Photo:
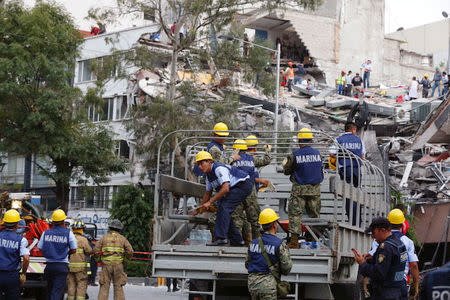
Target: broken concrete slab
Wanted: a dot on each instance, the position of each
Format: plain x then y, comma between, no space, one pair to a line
341,102
313,101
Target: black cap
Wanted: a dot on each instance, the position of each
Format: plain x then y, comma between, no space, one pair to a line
378,222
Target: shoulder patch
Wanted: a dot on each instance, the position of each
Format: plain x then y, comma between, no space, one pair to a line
381,257
382,246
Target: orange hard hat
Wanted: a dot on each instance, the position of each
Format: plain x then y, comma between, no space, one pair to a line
290,63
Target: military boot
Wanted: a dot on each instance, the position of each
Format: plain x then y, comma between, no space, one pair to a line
293,244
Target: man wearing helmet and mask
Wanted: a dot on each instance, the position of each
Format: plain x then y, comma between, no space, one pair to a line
13,246
111,250
57,243
305,168
79,265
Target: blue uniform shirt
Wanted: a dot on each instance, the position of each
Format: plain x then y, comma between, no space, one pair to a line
56,243
257,262
436,284
247,164
307,166
221,173
353,144
12,247
214,143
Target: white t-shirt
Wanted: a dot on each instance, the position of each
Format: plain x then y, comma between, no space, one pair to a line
412,257
413,87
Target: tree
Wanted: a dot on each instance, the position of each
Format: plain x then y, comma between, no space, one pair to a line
40,112
134,207
201,19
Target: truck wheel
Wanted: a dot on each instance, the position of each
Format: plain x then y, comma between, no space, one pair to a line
347,291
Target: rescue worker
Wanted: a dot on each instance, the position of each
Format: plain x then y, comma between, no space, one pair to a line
386,268
232,186
426,86
12,247
249,207
262,283
79,265
216,146
354,144
252,143
305,168
111,251
349,167
57,243
290,76
396,218
340,82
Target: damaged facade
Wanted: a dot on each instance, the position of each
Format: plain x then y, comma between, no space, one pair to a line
339,35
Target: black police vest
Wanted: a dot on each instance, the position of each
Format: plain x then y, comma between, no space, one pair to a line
395,276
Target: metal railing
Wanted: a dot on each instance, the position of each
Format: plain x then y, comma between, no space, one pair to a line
357,197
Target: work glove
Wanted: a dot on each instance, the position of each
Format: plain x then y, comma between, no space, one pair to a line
22,279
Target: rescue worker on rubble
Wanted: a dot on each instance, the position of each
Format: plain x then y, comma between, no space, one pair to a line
12,248
79,265
262,281
111,251
249,207
387,266
57,243
232,186
396,218
305,168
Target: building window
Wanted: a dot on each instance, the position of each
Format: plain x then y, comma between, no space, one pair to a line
84,71
122,149
149,15
121,107
108,109
90,197
93,114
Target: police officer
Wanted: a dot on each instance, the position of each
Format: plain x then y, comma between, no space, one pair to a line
262,283
304,166
396,218
436,284
386,268
111,250
12,247
56,244
349,168
232,186
79,265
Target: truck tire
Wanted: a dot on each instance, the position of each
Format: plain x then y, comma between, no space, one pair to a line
347,291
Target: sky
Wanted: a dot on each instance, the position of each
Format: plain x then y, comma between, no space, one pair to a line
412,13
399,13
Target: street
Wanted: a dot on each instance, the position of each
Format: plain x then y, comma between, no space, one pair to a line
133,292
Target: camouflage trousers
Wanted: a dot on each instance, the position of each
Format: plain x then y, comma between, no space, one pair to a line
262,286
248,213
303,196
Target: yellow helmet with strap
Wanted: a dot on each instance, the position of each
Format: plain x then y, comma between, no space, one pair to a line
267,216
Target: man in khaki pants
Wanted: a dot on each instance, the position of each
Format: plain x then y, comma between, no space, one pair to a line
111,250
78,265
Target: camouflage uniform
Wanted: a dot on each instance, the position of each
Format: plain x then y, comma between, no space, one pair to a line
78,269
246,214
264,286
302,196
218,155
111,249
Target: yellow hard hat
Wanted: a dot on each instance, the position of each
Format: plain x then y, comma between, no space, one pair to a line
240,144
11,216
251,141
396,216
221,129
267,216
58,215
99,22
305,133
202,155
426,75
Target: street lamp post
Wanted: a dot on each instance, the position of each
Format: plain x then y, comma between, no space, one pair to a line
277,89
445,14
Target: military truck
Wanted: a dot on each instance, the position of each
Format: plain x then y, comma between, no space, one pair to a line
322,269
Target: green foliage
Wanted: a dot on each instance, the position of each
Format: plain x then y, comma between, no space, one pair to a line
187,90
134,207
138,268
40,112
